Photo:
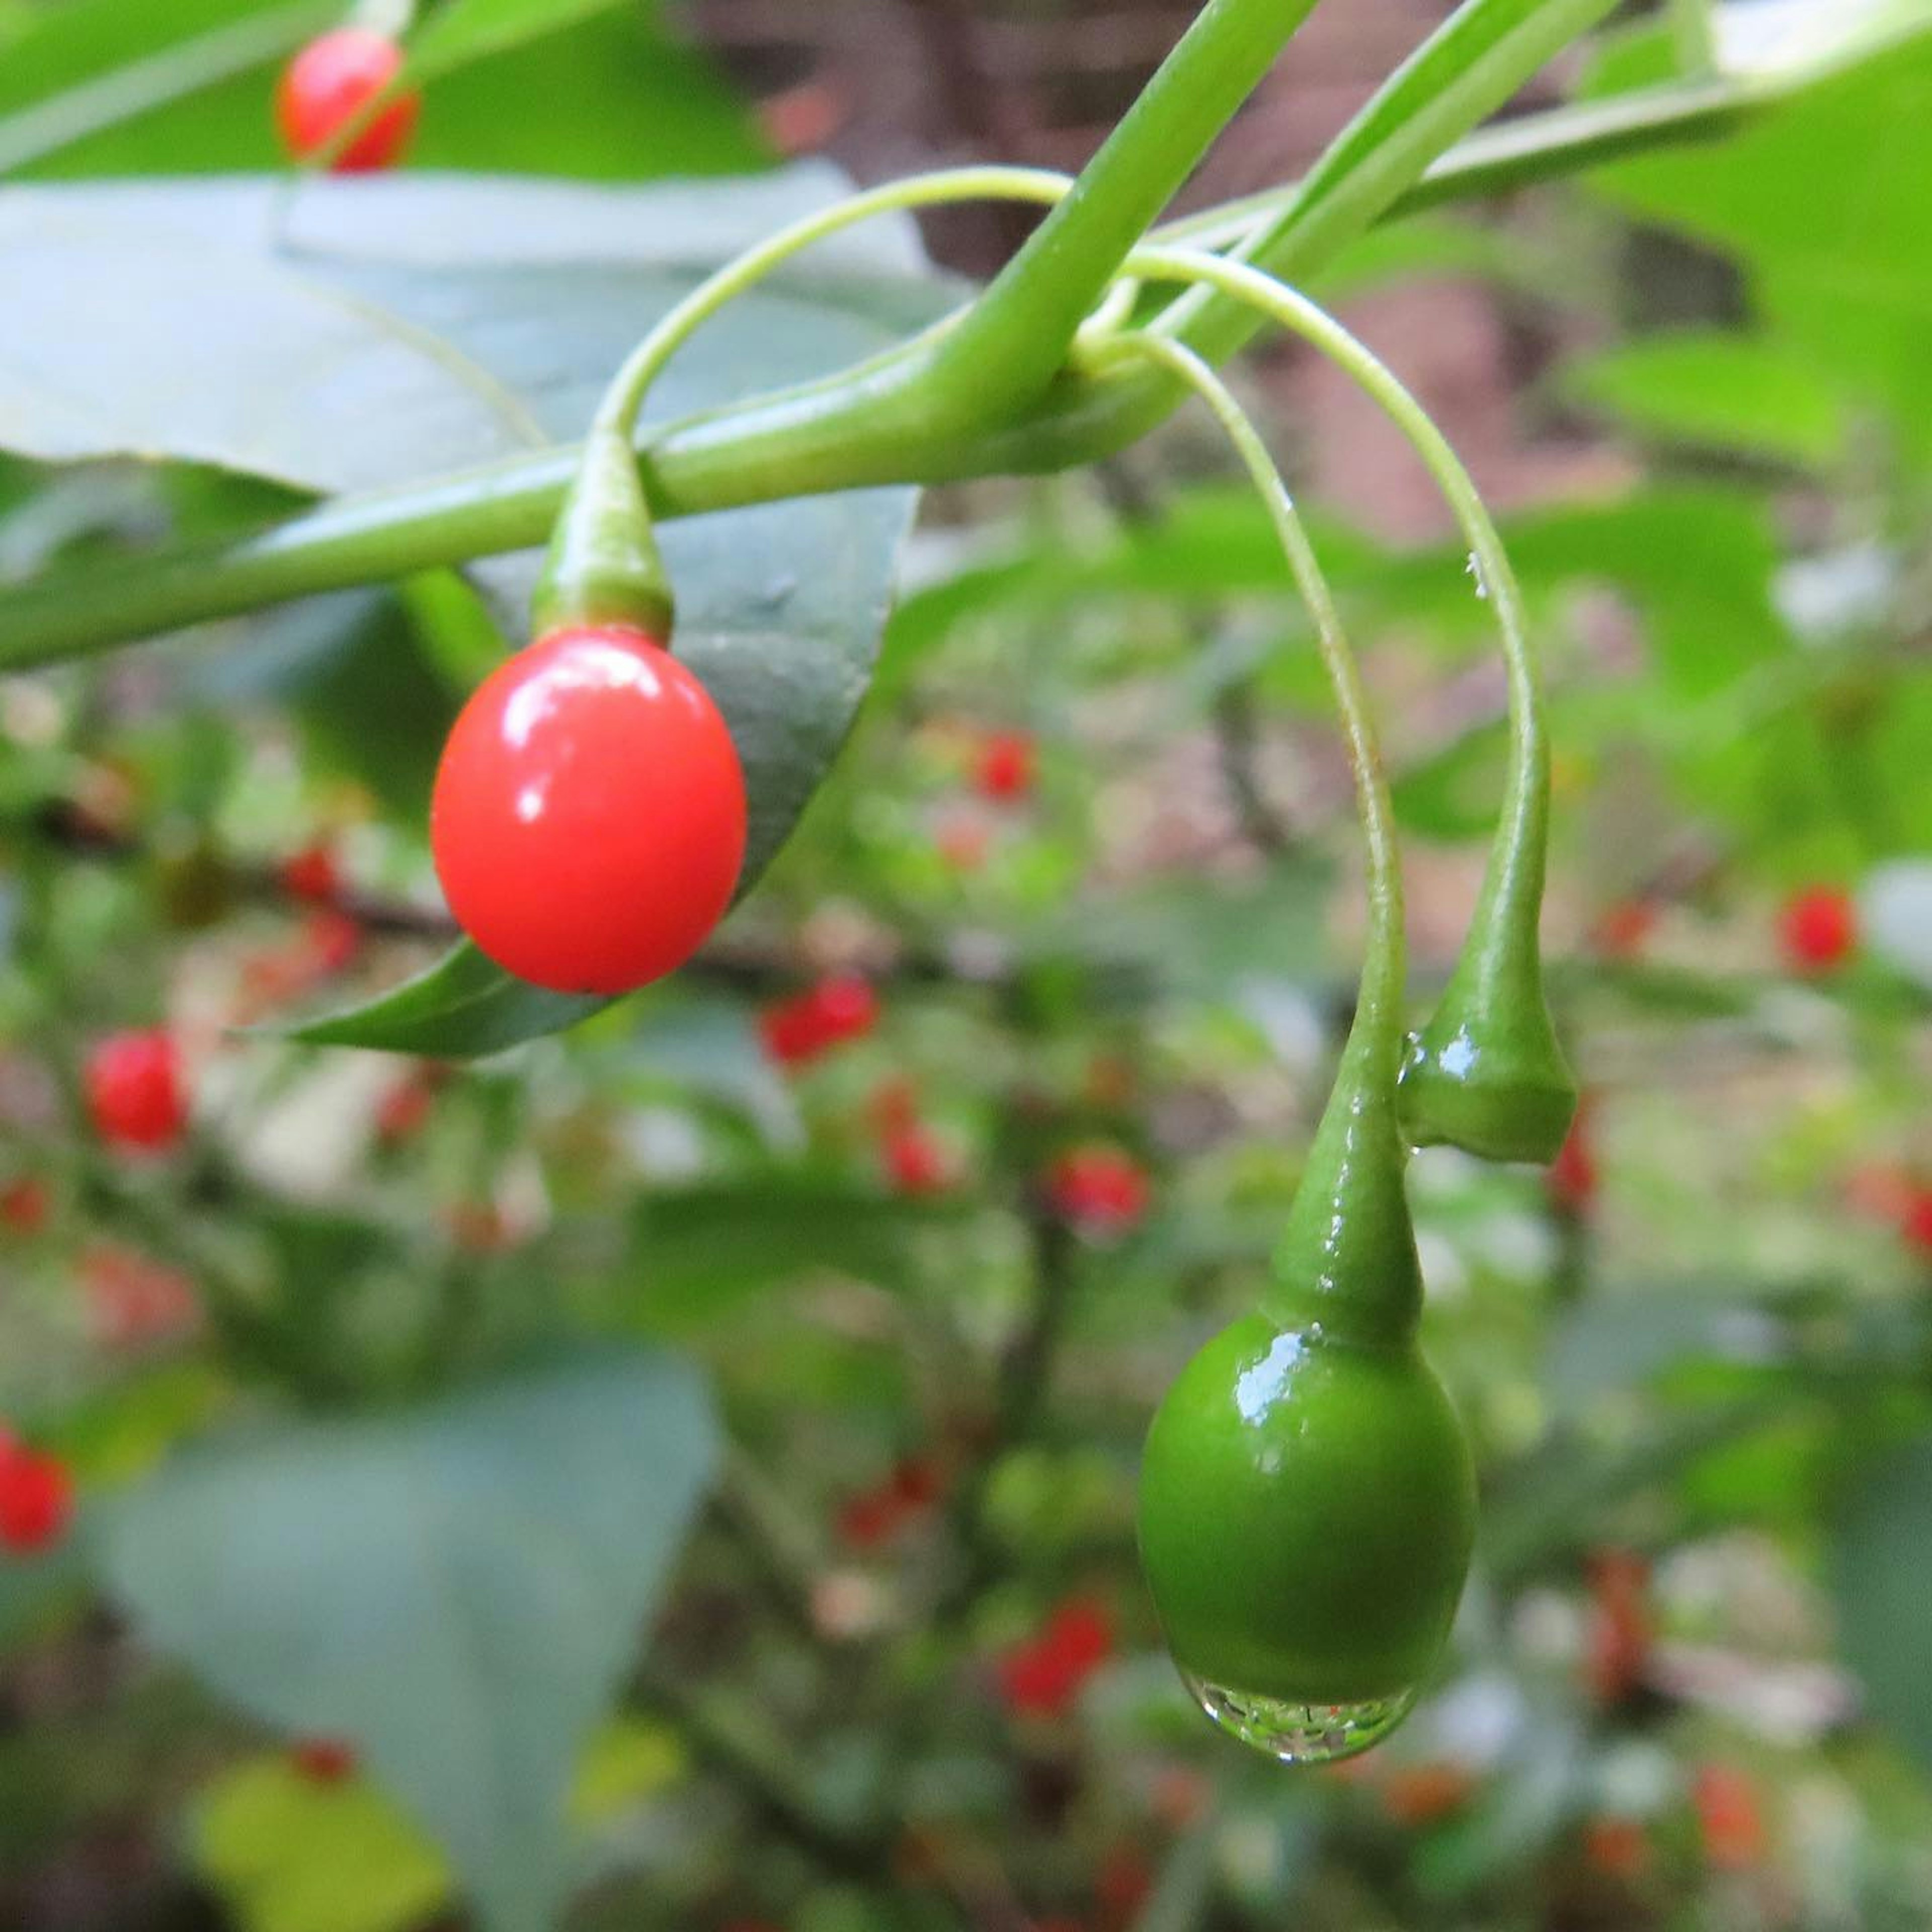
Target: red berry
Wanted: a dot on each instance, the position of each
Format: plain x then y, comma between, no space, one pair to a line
841,1007
915,1163
874,1517
1728,1817
1004,768
132,1301
135,1093
588,823
1421,1794
1619,1650
24,1205
1570,1180
1123,1885
331,941
312,874
1617,1847
328,83
917,1482
1042,1676
36,1500
323,1760
1099,1189
1915,1224
1818,928
1621,929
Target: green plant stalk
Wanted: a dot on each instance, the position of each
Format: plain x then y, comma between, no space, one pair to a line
803,441
1376,1041
604,565
1694,30
1011,344
1516,859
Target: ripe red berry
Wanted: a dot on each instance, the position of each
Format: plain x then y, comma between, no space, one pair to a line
841,1007
1621,929
328,83
1618,1653
1915,1224
915,1163
589,819
1099,1188
1042,1676
24,1205
36,1499
135,1093
1004,769
1570,1179
323,1760
1818,928
1728,1817
311,875
133,1302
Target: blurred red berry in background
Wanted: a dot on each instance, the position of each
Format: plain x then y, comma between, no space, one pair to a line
1417,1794
1618,1650
36,1498
1728,1817
1818,928
324,1760
1100,1190
841,1007
1044,1675
25,1204
1003,769
1570,1179
1621,929
311,875
915,1163
135,1093
1618,1848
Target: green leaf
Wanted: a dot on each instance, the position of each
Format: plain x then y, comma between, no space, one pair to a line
1465,70
456,1591
1715,391
288,1854
1881,1574
101,87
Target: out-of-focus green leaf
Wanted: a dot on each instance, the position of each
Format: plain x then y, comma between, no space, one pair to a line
1882,1579
290,1854
1718,392
456,1591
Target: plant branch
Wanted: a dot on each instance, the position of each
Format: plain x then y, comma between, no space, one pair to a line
820,437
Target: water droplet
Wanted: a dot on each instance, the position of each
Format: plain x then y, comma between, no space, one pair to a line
1476,571
1300,1733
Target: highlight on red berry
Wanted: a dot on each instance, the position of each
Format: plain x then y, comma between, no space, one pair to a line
327,87
137,1094
36,1498
588,823
1818,929
1101,1190
1004,767
841,1007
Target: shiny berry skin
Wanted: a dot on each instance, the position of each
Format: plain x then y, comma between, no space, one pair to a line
328,83
1099,1189
1818,929
588,818
1004,769
1307,1507
36,1500
135,1096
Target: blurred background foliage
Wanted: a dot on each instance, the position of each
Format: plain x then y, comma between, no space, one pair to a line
391,1393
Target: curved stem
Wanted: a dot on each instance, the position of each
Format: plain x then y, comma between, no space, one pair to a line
604,565
1516,859
1379,1015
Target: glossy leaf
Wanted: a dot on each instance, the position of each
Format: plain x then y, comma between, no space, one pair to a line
455,1592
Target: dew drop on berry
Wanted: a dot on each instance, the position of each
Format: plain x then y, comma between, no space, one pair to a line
1300,1733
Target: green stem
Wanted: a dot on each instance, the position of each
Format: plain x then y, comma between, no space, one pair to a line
604,565
1694,31
1010,345
1517,859
1376,1041
833,435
